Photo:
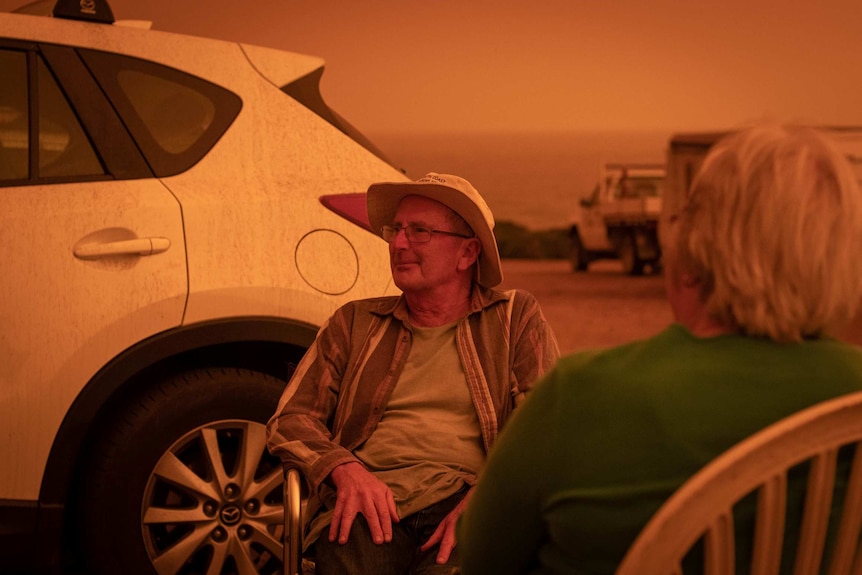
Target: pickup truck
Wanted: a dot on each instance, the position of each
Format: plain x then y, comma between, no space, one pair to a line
620,219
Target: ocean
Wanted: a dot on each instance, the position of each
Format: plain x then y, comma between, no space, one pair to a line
530,178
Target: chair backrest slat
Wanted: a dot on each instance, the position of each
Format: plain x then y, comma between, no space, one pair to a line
769,527
719,549
818,504
847,542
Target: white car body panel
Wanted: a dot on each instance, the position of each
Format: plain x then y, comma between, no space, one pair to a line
53,335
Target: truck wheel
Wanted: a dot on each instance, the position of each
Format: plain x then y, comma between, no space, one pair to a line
181,481
580,257
632,264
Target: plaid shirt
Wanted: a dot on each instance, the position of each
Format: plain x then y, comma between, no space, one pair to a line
340,389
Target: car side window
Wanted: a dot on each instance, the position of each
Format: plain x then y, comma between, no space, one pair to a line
174,117
63,149
14,129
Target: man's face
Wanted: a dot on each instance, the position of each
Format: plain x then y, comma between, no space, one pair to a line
418,267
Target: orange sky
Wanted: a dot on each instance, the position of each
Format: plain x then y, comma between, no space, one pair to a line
483,65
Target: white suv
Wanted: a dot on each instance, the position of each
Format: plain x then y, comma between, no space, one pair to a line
178,216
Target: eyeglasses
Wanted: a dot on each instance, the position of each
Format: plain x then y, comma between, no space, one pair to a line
415,234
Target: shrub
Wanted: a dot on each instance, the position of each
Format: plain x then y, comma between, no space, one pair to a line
516,241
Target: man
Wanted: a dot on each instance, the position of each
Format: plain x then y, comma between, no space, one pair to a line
393,409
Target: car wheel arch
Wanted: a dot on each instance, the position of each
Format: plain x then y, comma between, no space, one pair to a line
181,348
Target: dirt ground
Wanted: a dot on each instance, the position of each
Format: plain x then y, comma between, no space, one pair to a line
602,307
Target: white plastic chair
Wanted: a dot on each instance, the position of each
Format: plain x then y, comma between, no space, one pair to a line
702,507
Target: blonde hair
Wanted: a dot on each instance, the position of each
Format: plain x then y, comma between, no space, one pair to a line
773,229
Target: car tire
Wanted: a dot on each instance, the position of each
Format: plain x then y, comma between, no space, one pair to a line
181,481
632,264
579,256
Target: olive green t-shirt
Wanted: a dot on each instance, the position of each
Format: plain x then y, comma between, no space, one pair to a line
428,443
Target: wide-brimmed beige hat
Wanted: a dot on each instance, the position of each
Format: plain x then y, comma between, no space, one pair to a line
453,192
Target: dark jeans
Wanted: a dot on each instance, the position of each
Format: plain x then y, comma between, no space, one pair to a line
360,555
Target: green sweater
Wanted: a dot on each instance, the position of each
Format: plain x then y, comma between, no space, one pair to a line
607,436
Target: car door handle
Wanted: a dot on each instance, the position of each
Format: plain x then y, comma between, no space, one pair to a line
135,247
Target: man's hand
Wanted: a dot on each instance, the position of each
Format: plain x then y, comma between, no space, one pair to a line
359,491
445,532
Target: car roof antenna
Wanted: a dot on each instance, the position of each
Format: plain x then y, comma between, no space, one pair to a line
89,10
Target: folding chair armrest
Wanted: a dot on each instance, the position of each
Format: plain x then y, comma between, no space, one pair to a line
292,558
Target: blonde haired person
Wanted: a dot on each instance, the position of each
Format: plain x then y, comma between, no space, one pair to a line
771,233
761,267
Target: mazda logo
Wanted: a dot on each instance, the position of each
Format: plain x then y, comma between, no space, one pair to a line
231,515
